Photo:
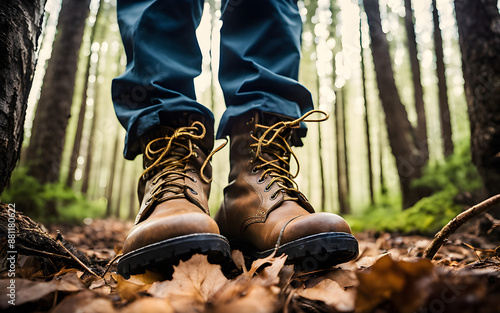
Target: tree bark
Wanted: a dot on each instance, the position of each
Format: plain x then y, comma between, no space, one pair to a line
479,40
367,122
54,107
409,159
111,178
90,149
121,183
83,108
20,28
418,90
133,204
444,109
342,183
320,142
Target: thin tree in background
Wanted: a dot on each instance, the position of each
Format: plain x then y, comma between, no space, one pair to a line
121,183
444,109
21,27
90,145
132,208
365,104
344,140
320,150
418,90
320,143
53,110
339,124
75,151
210,53
342,184
409,158
480,45
98,102
383,185
111,179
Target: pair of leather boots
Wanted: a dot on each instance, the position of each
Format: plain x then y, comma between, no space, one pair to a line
262,212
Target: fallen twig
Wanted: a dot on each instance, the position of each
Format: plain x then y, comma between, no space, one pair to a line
78,260
458,221
50,254
111,263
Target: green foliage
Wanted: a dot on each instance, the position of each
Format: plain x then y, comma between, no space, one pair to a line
448,178
34,199
457,171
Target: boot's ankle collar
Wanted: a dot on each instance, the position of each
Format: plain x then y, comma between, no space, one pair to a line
176,120
247,121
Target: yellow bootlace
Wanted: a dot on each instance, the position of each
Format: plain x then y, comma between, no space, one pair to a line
173,162
281,152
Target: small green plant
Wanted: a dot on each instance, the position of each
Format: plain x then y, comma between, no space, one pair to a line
34,199
447,178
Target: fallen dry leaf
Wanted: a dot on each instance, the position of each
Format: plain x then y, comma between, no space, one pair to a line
30,291
250,292
148,305
335,288
195,278
402,285
129,289
84,302
193,283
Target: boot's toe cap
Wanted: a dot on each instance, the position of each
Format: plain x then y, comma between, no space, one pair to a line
312,224
156,229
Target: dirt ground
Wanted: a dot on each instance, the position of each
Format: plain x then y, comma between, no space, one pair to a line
389,275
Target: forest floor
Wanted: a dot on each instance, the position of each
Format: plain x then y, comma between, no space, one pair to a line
389,275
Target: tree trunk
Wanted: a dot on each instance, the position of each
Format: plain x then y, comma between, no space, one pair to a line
83,108
121,183
342,188
479,40
381,156
20,28
409,159
418,91
320,143
210,52
367,122
134,203
54,107
444,109
344,144
90,149
111,179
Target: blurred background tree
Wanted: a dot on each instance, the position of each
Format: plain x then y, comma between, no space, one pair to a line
389,72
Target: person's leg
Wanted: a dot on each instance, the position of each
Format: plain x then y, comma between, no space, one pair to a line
163,58
260,55
155,101
263,210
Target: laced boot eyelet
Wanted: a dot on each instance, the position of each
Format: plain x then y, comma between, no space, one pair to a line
193,179
194,192
267,188
273,196
255,170
261,180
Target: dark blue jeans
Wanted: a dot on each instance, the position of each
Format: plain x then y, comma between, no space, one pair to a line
259,62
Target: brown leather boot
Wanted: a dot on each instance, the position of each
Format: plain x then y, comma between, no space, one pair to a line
263,209
173,221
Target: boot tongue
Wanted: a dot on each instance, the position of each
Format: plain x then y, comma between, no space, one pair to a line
269,150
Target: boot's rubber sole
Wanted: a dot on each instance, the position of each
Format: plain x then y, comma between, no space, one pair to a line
163,255
311,253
